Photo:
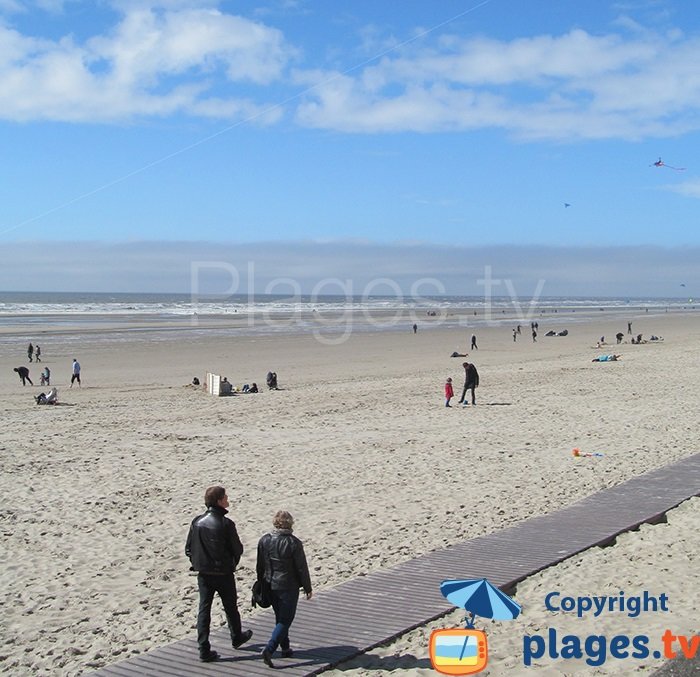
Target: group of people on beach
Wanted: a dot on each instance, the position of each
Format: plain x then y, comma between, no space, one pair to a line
24,377
214,550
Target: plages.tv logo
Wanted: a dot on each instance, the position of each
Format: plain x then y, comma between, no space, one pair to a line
464,651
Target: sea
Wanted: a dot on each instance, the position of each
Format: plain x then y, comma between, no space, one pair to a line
163,316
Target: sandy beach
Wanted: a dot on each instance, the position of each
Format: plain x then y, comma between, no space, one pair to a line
98,493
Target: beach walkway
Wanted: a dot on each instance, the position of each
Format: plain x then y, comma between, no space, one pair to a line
362,613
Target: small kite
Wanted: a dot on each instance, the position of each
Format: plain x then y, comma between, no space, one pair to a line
661,163
566,204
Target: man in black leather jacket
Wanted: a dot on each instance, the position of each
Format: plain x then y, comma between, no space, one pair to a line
282,563
214,550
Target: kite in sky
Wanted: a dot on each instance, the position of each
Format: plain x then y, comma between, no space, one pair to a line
661,163
566,204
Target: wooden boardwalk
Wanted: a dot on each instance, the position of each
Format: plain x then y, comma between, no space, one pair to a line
362,613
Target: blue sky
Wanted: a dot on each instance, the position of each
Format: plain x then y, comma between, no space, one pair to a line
458,127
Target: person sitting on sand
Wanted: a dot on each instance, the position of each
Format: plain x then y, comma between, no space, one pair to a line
49,398
606,358
226,388
271,380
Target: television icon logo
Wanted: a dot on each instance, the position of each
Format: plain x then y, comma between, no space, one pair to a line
458,651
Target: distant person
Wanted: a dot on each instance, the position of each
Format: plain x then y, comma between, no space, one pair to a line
271,380
515,335
415,328
471,382
619,336
449,392
226,388
534,335
282,563
602,340
606,358
474,346
46,377
639,338
195,381
214,549
30,352
75,373
518,329
629,328
37,354
23,373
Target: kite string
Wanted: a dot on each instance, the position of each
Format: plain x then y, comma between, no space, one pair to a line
244,121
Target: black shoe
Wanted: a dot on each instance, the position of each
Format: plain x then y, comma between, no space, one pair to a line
209,657
267,658
287,653
242,639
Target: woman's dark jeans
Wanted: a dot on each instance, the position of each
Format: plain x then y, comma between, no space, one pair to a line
284,602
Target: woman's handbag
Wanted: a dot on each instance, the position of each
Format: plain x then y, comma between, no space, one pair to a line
261,594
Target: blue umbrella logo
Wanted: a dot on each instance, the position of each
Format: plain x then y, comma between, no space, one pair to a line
479,598
464,651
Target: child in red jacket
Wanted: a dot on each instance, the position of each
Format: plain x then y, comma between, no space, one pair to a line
449,392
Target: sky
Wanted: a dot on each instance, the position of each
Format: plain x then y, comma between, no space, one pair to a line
351,140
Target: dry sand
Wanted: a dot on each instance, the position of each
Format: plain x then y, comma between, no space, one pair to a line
97,493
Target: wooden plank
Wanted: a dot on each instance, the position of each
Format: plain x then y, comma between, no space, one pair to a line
370,610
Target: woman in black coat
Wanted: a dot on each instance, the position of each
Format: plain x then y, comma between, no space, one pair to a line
282,565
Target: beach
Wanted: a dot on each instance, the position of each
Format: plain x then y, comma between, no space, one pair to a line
357,444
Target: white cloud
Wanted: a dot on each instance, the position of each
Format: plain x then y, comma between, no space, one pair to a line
152,63
165,57
688,188
573,86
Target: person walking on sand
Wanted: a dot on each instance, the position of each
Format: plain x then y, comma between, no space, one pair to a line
515,335
76,373
37,354
471,382
282,564
629,328
449,392
534,335
23,373
214,550
415,328
474,346
30,352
